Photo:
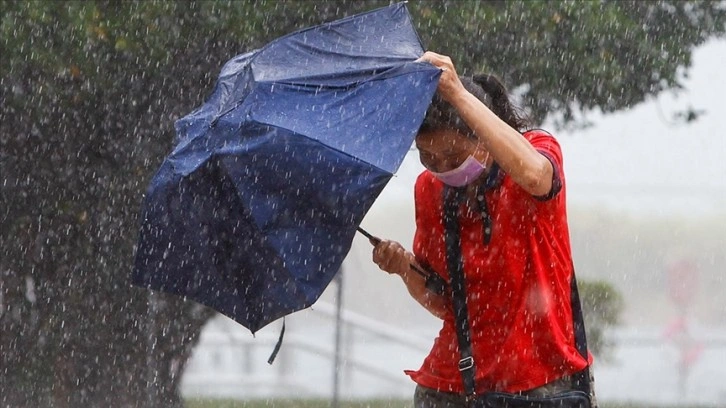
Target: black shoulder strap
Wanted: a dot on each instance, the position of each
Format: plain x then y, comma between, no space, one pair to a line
455,264
452,200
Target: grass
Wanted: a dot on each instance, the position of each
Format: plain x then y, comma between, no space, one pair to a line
290,403
320,403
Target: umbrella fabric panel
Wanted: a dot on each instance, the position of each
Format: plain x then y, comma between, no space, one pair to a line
340,53
212,251
264,234
225,133
359,121
256,207
233,85
307,200
355,45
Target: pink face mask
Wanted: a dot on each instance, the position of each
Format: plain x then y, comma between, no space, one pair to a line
467,172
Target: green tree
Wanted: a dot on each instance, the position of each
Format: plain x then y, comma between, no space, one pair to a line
601,308
89,91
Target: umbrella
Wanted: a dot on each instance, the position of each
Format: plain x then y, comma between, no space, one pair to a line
254,210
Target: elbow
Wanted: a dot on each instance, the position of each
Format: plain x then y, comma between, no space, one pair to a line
439,310
434,304
538,179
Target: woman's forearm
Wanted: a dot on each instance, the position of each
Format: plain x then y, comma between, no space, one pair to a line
438,305
527,167
391,257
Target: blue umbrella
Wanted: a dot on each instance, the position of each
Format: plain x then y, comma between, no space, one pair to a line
256,207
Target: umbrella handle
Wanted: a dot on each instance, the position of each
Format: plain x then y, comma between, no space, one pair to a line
375,240
434,281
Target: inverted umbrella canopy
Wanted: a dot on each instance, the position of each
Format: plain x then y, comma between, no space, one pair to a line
256,207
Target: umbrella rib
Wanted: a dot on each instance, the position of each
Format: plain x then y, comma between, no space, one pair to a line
377,77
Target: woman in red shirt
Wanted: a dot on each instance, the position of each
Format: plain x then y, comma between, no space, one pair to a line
514,242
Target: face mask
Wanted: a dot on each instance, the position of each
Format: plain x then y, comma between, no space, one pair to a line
467,172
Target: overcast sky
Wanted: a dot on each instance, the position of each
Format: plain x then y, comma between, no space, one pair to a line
640,160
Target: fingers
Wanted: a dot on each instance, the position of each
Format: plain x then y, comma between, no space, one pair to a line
442,62
390,256
449,83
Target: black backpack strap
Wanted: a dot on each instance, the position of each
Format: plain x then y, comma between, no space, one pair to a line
455,264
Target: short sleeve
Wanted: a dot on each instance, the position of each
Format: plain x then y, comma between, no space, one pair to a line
548,147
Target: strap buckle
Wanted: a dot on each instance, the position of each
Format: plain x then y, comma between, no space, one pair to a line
466,363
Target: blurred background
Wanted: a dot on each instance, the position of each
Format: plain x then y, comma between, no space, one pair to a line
90,90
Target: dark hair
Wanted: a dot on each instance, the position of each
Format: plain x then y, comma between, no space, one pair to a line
488,89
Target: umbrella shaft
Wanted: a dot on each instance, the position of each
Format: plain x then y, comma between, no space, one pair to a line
374,240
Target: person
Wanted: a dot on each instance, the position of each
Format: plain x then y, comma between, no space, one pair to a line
514,242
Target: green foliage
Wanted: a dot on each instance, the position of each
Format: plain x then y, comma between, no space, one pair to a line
602,305
570,56
89,93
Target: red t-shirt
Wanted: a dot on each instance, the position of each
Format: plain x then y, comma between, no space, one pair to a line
518,285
